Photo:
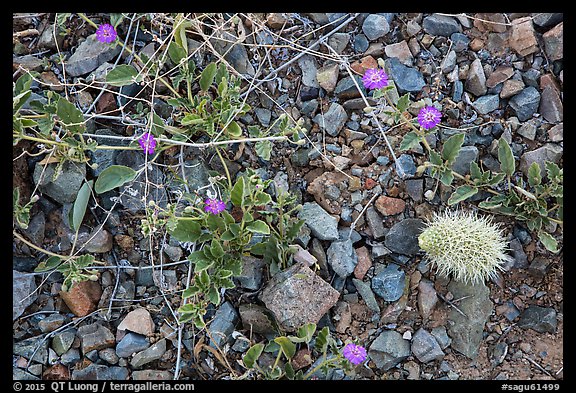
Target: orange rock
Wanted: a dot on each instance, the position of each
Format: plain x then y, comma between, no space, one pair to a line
364,262
389,206
82,298
138,321
369,184
365,63
57,372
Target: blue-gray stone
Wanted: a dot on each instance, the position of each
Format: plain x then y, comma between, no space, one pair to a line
465,157
66,186
382,160
90,54
405,166
264,115
402,238
389,284
342,257
307,65
440,334
406,79
375,26
131,343
367,294
343,234
346,88
440,25
388,349
251,277
23,292
100,372
540,319
223,324
425,346
361,43
457,91
32,346
525,103
333,120
322,224
375,223
486,104
459,41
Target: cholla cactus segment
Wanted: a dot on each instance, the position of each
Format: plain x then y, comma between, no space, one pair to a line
464,245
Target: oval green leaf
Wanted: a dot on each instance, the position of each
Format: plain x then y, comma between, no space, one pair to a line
80,204
462,193
258,226
410,141
252,355
70,116
112,177
123,75
207,76
186,231
234,129
549,242
237,193
506,157
452,147
288,347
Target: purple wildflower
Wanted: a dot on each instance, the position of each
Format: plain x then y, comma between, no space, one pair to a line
356,354
429,117
106,33
214,206
375,78
148,143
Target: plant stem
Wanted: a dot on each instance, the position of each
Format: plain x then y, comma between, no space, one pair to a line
225,167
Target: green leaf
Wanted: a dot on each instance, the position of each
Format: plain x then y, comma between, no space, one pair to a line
187,308
289,370
307,331
176,52
258,226
549,242
71,117
534,224
19,100
216,249
506,158
234,129
123,75
186,231
294,229
48,264
112,177
435,158
190,291
534,176
496,179
203,264
258,249
226,283
475,172
252,355
263,149
228,235
322,339
403,103
215,222
80,204
446,177
552,170
288,347
22,84
214,295
410,141
204,278
451,148
221,73
262,198
207,76
237,193
462,193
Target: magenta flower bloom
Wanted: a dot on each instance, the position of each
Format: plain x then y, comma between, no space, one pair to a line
106,33
375,78
147,143
429,117
356,354
214,206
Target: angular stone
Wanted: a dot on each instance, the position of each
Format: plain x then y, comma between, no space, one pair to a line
388,349
95,337
138,321
276,20
405,166
389,284
350,87
436,24
297,296
486,104
333,120
66,186
23,292
546,19
51,322
388,206
511,87
483,21
364,262
525,103
223,324
99,372
375,223
342,257
256,318
466,331
427,298
252,269
549,152
323,225
90,54
403,236
415,188
439,332
476,80
327,77
406,79
97,241
62,341
449,62
500,74
551,107
82,298
401,51
528,130
151,375
308,66
364,290
425,346
554,42
131,343
522,37
32,346
365,63
338,41
465,157
375,26
540,319
150,354
234,53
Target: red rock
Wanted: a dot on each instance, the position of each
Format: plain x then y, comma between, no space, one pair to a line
82,298
389,206
511,87
138,321
365,63
317,187
549,80
301,359
554,42
522,38
401,51
482,22
499,75
369,184
106,103
364,262
551,107
276,20
57,372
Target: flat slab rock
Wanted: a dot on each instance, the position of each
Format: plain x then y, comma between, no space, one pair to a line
298,296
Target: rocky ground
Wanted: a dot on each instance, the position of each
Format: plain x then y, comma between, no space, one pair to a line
495,75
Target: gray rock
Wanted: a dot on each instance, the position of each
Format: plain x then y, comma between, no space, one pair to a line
517,251
342,257
90,54
23,292
257,319
333,120
457,91
223,324
405,166
346,88
547,19
233,53
540,319
95,337
440,334
70,357
375,223
27,347
131,343
440,25
415,188
361,43
476,80
459,41
345,233
297,296
466,331
196,174
367,294
36,227
403,236
449,62
551,106
98,241
308,66
300,157
538,268
390,283
322,224
406,79
465,157
427,298
375,26
108,355
24,264
104,157
66,186
388,349
528,130
338,41
486,104
425,347
62,341
251,276
303,237
174,253
21,375
525,103
264,115
549,152
101,373
46,40
51,322
154,352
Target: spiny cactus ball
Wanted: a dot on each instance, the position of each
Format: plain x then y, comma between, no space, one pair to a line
468,247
